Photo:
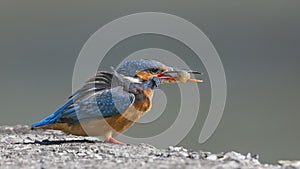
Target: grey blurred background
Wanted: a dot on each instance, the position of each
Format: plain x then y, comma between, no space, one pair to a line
258,43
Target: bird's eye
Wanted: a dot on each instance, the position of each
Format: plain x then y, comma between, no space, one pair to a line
154,70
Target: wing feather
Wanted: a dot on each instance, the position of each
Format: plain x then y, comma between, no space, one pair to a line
97,99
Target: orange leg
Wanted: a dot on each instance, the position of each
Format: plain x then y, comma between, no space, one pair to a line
112,140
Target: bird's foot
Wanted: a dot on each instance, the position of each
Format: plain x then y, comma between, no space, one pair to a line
112,140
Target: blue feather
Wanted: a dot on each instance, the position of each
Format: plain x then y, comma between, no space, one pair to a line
107,103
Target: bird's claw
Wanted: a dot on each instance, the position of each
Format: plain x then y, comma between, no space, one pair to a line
114,141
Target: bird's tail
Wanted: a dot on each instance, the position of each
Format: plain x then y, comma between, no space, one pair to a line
53,117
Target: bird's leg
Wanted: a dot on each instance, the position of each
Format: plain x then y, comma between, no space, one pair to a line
112,140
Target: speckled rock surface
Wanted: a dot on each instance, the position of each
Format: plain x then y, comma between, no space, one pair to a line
21,147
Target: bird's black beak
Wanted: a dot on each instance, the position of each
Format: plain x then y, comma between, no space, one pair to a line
179,75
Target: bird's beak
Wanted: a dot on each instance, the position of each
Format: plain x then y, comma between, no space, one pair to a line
177,75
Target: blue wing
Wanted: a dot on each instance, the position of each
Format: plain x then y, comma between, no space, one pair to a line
95,100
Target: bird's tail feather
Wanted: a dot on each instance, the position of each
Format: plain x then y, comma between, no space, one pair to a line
53,117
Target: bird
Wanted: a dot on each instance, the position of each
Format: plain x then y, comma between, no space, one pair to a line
112,101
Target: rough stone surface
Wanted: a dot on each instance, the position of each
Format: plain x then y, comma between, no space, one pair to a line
21,147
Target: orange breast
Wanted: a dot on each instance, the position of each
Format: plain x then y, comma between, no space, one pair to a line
132,114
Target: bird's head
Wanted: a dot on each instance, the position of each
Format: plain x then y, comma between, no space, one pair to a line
151,70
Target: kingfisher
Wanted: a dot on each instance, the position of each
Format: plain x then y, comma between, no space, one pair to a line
112,101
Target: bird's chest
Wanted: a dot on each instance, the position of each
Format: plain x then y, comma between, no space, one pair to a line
143,101
141,105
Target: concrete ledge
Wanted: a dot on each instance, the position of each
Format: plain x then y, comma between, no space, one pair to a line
21,147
